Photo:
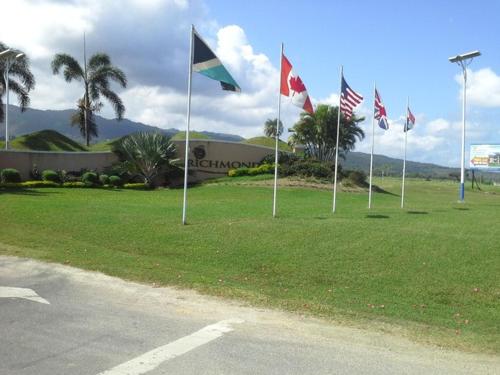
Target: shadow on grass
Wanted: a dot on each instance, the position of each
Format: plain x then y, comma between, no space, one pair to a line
320,217
20,191
377,217
377,189
461,208
417,212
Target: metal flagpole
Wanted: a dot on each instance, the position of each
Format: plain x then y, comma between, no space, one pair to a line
373,144
6,77
188,120
337,146
404,160
277,138
86,99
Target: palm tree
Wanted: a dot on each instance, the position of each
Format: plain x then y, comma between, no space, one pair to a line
145,154
270,128
318,132
96,77
21,81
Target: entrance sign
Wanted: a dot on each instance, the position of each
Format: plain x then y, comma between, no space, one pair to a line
485,157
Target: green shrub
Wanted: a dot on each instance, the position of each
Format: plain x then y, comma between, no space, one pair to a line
357,178
104,179
74,184
38,184
50,175
136,186
308,168
90,179
9,175
261,169
10,185
115,181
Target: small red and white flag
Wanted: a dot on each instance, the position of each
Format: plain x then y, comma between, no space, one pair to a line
293,87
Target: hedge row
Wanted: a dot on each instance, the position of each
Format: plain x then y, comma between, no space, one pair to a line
72,184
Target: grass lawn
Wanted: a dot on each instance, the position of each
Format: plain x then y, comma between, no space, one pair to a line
430,270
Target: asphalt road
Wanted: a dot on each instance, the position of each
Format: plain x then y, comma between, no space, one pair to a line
68,321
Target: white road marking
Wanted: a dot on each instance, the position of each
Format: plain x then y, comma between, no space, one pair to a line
152,359
25,293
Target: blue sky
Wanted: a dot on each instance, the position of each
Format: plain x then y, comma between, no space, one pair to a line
403,45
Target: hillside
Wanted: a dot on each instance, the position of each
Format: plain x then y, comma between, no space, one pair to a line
268,142
394,167
45,140
33,120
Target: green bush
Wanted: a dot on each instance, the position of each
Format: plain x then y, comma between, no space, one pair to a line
50,175
90,179
115,181
136,186
104,179
308,168
74,184
38,184
357,178
9,175
261,169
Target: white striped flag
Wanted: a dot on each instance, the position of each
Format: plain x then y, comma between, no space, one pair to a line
380,112
349,99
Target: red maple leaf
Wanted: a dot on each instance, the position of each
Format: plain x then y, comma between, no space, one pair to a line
297,85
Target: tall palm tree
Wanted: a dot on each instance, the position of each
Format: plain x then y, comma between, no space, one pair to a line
270,128
21,81
96,77
318,132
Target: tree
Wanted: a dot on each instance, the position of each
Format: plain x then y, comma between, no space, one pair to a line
144,154
270,128
318,133
96,77
21,81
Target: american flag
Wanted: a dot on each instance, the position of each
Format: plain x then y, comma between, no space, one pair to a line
410,120
380,113
349,99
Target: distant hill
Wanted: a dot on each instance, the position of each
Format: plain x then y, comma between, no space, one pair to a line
268,142
394,167
33,120
45,140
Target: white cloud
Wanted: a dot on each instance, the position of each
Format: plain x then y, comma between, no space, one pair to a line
483,87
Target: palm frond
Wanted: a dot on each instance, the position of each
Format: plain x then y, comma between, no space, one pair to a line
97,60
72,69
115,101
21,92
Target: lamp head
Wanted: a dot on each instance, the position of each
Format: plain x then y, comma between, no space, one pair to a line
464,56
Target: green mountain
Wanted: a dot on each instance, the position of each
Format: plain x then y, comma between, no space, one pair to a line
33,120
384,165
45,140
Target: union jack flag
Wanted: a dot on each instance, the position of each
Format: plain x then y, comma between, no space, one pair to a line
410,120
380,113
349,99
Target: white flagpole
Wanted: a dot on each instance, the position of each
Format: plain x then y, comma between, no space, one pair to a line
277,138
188,120
337,146
404,160
373,145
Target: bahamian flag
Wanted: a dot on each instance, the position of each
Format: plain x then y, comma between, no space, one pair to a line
207,63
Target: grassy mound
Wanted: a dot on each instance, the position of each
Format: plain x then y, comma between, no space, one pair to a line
45,140
268,142
192,135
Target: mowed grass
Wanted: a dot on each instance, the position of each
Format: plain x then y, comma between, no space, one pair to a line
430,271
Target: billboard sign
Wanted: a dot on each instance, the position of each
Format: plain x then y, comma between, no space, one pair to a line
485,157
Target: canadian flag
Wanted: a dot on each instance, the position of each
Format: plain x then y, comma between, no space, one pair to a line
293,87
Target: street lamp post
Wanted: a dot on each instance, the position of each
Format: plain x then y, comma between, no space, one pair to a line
463,60
10,56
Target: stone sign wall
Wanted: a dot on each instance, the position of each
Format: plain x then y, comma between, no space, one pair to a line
207,159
